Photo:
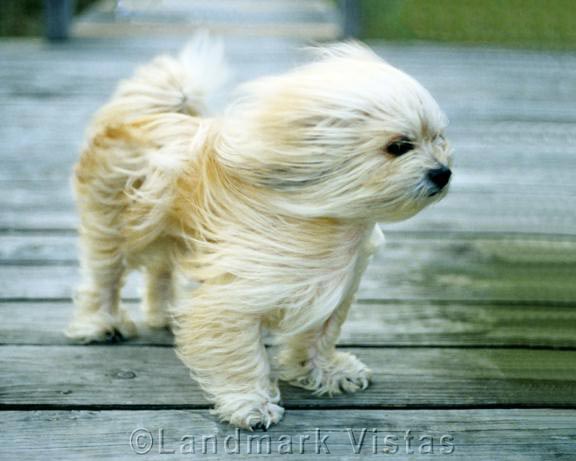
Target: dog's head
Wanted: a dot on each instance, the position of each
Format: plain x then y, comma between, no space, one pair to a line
348,136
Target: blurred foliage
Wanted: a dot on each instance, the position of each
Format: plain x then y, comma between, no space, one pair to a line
524,23
24,17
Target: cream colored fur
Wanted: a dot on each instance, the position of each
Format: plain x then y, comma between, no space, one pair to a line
260,219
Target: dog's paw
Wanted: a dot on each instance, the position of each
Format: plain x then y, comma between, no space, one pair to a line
343,372
251,414
98,327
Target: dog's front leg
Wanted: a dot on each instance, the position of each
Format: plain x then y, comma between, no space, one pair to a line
224,350
311,361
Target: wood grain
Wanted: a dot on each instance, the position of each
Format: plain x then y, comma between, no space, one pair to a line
403,377
466,316
530,435
505,209
414,324
504,269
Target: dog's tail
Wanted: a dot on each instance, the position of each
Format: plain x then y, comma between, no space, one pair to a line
167,84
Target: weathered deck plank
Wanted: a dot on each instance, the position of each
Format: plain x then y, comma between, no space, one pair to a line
475,435
403,377
530,435
414,324
463,308
38,248
496,209
313,20
492,212
512,270
503,79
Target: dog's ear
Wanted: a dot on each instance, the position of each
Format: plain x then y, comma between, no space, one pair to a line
288,151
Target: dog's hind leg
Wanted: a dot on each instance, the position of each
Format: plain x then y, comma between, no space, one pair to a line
158,297
98,316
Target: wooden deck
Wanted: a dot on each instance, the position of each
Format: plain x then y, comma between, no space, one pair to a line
467,316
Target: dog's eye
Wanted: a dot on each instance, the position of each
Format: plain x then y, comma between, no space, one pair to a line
400,147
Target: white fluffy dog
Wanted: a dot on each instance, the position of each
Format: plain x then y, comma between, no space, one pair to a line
270,209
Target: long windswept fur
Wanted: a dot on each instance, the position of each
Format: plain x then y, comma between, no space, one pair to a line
271,208
138,144
167,84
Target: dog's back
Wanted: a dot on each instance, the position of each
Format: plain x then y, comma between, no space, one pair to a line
138,143
168,85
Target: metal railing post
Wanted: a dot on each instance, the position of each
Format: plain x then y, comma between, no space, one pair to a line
350,10
57,17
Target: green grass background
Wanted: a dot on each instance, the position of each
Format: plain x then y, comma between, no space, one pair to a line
524,23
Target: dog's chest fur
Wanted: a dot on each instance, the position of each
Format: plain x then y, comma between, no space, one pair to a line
316,294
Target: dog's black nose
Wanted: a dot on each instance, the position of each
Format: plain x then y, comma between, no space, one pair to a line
440,176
